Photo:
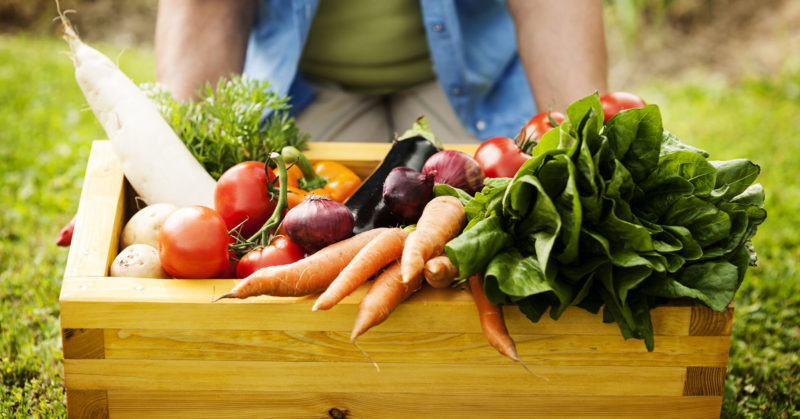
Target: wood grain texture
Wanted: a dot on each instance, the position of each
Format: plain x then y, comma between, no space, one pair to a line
83,343
120,303
87,404
302,405
704,381
100,215
410,347
707,322
361,377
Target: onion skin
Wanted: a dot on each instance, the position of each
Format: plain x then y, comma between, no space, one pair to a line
457,169
406,191
318,222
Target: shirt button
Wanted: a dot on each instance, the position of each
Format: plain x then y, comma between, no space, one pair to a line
438,27
480,125
456,91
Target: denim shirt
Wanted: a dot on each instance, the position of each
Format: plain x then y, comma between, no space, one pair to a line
472,45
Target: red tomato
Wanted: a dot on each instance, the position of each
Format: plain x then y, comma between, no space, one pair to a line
500,157
281,251
617,101
193,243
540,124
241,194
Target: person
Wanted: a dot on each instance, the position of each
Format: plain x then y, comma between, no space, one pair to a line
361,70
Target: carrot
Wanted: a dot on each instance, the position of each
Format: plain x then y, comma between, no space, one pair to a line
155,161
385,294
379,252
440,272
306,276
441,220
493,324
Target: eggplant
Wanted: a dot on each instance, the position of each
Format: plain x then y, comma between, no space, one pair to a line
366,203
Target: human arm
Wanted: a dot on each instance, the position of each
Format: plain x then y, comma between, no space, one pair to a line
200,41
562,48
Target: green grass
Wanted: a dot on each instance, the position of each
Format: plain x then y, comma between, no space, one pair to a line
45,133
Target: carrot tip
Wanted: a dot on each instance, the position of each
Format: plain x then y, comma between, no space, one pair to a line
226,295
516,359
315,307
353,341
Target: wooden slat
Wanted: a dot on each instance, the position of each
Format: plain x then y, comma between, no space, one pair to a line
100,213
302,405
121,303
704,381
707,322
83,343
420,347
361,377
87,404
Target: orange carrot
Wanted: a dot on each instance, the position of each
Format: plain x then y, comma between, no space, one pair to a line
441,220
306,276
492,322
385,294
381,251
440,272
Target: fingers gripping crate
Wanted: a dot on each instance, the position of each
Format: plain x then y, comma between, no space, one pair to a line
160,348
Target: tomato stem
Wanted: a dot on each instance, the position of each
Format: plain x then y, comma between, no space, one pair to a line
265,232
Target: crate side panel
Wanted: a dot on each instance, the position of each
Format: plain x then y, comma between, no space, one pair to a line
100,214
291,404
411,347
87,404
121,303
166,375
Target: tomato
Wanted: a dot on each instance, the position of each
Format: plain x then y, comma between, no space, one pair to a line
241,194
617,101
540,124
500,157
281,251
193,243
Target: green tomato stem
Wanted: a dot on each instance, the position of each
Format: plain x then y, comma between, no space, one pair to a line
265,232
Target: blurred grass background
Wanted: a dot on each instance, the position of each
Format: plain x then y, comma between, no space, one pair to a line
726,75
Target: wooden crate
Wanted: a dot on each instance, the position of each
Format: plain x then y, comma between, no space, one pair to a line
159,348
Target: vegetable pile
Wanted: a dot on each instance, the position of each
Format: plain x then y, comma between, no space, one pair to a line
599,207
620,215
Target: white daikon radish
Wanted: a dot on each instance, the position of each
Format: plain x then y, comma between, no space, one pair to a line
155,161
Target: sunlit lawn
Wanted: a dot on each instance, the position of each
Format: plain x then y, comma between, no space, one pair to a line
45,133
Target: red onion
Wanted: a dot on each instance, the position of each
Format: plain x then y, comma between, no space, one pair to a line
457,169
406,191
317,222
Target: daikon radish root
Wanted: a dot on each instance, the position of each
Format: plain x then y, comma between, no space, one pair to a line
155,161
441,220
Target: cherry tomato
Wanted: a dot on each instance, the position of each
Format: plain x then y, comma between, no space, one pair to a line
500,157
241,194
540,124
617,101
281,251
193,243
